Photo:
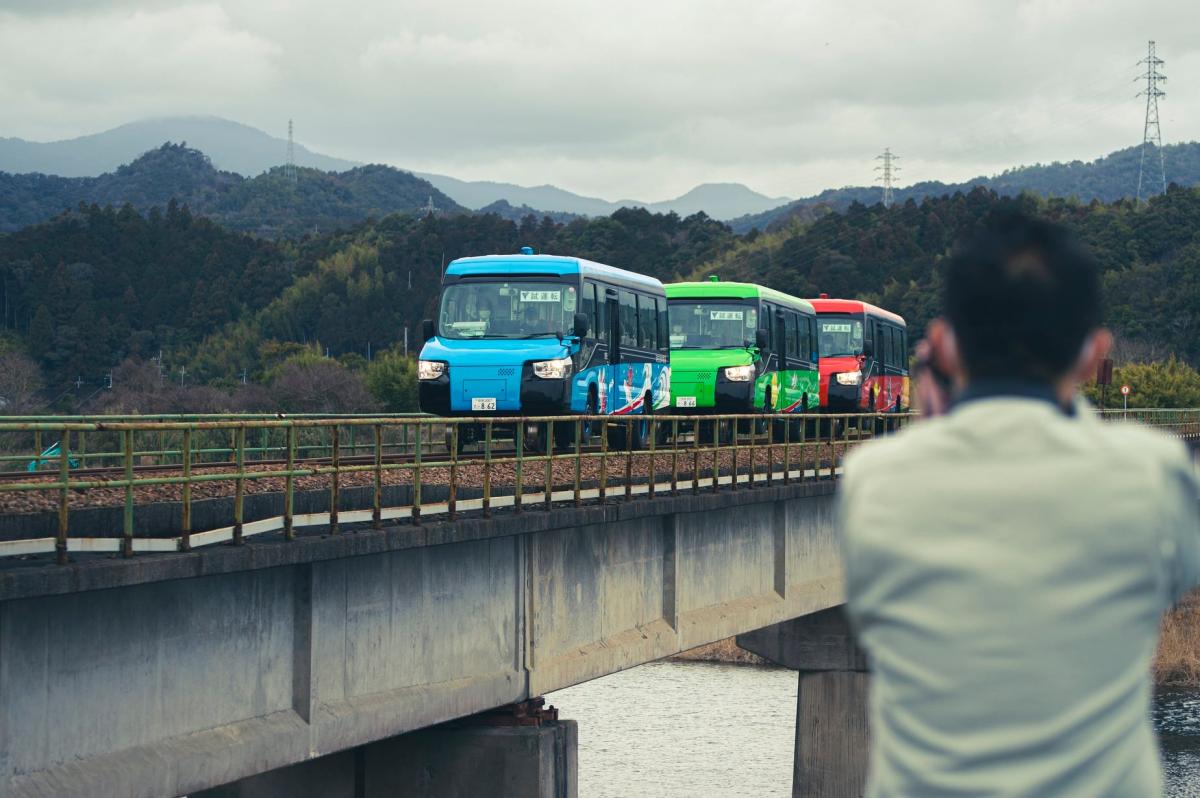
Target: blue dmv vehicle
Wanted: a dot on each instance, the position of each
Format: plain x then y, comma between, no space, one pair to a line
535,335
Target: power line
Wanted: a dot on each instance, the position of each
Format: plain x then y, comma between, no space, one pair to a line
889,169
1151,132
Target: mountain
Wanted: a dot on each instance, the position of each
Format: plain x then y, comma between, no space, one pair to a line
718,200
232,146
245,150
269,204
1106,179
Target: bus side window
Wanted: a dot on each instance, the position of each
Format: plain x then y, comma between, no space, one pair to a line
629,331
768,320
791,326
903,364
804,346
664,333
587,306
647,328
601,317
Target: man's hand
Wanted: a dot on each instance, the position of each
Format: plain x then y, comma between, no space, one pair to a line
932,386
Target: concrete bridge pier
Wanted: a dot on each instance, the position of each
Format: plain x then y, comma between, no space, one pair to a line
831,704
469,758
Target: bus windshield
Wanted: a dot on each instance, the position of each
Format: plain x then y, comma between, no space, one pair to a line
712,325
840,336
506,309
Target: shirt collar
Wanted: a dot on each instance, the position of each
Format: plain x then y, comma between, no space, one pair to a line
996,388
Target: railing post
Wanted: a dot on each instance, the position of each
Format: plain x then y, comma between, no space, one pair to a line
733,436
696,427
452,498
289,496
652,472
127,460
335,483
377,499
675,456
64,497
519,439
628,458
185,536
239,500
603,460
549,471
487,469
416,480
578,461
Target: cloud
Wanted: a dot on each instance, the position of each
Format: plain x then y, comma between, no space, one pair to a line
121,62
621,98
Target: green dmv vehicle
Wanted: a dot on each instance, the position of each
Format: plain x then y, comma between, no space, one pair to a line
741,348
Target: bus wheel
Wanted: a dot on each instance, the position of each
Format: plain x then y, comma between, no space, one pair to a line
534,440
641,427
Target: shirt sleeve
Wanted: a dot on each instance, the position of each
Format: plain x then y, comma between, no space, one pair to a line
1183,517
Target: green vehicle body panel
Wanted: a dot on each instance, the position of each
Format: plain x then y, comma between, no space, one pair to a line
694,371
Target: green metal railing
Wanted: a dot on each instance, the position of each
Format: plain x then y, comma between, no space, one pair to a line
518,463
575,458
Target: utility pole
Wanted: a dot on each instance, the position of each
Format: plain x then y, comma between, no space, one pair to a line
1151,132
889,170
406,340
243,376
182,375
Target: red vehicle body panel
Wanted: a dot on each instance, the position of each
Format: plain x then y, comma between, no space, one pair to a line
877,392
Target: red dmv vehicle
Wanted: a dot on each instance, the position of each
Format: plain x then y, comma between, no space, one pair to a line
864,357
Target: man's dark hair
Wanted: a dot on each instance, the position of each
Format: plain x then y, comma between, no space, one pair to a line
1021,296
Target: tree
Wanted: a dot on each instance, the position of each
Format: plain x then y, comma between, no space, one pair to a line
321,386
392,380
1169,383
20,385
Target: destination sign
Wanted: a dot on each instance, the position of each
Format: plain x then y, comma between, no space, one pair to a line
541,296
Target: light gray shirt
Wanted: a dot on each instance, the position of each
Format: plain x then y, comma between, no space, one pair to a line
1006,570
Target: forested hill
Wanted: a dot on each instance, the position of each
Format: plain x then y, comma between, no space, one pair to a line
1150,256
268,205
1107,179
93,287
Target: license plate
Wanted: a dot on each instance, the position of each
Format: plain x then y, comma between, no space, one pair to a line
685,401
483,404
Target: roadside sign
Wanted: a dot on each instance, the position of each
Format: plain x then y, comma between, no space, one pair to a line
1125,389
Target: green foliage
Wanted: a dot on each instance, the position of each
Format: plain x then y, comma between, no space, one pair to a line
1169,383
392,380
1149,256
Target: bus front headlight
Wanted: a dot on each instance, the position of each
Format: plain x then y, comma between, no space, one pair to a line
739,373
430,369
849,377
557,369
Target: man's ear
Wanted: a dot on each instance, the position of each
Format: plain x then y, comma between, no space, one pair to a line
944,347
1095,348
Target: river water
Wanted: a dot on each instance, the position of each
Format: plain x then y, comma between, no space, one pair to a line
692,729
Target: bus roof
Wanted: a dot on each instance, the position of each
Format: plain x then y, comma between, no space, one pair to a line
713,289
855,306
550,265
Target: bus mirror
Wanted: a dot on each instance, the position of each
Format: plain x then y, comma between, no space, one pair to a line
426,329
581,325
760,339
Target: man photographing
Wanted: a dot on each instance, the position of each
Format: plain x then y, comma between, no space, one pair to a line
1007,562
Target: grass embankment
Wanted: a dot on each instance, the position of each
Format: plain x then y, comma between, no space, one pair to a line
1176,664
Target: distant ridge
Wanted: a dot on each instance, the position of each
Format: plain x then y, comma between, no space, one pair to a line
1107,179
248,151
232,147
269,205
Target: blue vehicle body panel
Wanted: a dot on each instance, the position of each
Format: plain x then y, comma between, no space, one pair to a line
492,368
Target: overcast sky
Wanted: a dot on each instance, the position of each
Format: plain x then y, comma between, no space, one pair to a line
618,99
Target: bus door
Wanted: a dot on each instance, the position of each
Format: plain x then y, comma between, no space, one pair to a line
612,321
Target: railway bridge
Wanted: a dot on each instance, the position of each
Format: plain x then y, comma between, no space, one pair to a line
260,606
